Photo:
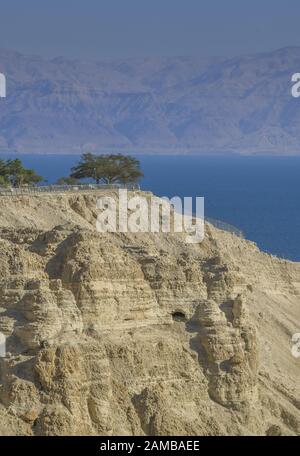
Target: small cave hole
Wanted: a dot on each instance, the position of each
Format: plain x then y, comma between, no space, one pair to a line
178,316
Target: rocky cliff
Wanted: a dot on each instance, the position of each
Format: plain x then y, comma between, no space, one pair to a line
141,333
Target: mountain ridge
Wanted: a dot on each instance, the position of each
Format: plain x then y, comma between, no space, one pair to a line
240,105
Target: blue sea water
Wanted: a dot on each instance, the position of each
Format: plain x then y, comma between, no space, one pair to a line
259,195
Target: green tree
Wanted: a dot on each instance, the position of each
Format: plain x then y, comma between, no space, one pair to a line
17,175
3,173
67,181
3,182
108,169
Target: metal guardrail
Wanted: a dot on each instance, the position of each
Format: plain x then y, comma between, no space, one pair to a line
11,191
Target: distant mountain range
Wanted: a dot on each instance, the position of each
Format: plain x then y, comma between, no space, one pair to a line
154,105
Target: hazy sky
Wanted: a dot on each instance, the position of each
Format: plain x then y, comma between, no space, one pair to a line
124,28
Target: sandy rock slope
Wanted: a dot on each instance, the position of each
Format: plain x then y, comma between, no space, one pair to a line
141,334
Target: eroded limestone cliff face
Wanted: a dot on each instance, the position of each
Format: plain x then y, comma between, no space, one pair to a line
141,333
